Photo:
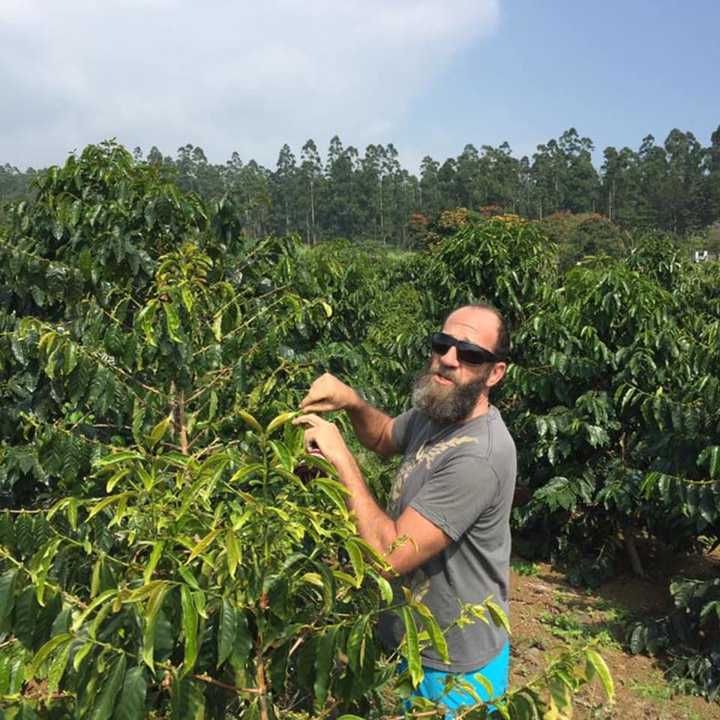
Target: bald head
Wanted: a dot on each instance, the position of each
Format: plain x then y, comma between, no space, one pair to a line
481,324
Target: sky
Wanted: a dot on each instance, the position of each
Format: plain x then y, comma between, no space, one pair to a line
429,76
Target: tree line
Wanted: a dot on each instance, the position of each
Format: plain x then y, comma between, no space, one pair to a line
673,186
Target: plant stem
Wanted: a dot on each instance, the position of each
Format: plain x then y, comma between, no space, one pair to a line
179,418
262,687
629,539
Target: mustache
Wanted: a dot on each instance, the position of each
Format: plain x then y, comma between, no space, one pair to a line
443,373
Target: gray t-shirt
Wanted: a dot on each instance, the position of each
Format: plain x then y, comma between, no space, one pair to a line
461,478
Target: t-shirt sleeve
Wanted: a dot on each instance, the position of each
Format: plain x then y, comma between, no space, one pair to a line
457,493
402,429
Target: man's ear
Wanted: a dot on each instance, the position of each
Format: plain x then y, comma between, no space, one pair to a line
496,374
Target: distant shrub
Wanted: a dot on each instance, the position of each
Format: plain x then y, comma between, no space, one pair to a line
580,235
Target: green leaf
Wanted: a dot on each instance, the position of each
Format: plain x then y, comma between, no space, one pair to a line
157,550
217,326
596,661
187,575
151,612
227,628
280,420
95,577
498,615
105,502
118,457
99,600
232,548
386,591
203,544
190,628
105,702
412,647
284,458
355,649
44,652
212,405
711,456
324,662
243,644
334,491
433,630
172,321
187,299
357,560
487,685
138,419
250,420
187,700
131,703
523,707
159,431
7,593
69,358
116,478
82,653
57,669
245,471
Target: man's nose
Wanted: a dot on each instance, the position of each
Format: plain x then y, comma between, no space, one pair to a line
450,358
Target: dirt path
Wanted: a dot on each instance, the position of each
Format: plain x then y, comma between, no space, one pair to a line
546,612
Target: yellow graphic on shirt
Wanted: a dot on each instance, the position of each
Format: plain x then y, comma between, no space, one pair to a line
424,456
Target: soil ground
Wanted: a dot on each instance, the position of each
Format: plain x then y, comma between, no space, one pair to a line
547,613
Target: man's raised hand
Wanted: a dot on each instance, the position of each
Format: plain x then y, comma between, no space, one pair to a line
328,393
323,437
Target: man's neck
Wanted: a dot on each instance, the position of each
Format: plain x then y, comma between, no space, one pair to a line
482,407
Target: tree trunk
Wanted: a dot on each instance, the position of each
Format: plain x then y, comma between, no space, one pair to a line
313,239
629,539
179,423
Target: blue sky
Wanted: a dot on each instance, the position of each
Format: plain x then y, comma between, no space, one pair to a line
616,71
427,75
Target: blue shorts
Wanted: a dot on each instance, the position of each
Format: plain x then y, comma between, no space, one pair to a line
449,688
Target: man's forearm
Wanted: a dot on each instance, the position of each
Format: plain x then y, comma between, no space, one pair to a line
374,526
370,425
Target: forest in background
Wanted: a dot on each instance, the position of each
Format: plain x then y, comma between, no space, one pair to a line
673,187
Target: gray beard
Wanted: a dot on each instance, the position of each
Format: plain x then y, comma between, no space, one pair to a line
446,405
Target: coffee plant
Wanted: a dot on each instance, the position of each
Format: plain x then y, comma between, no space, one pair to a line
167,548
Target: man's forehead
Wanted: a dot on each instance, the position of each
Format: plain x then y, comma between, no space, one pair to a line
474,321
472,325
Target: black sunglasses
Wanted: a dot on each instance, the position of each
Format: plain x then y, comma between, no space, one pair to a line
466,351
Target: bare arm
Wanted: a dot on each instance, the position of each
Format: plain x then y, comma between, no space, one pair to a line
407,542
372,426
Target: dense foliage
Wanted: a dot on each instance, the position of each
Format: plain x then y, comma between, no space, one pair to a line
672,186
166,546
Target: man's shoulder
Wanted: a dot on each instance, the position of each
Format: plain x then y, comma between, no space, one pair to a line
407,427
492,443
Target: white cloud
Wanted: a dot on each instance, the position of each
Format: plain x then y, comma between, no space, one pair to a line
223,74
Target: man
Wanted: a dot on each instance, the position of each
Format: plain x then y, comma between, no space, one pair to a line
452,496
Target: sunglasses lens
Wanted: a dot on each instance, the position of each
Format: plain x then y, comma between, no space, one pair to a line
472,357
440,344
466,352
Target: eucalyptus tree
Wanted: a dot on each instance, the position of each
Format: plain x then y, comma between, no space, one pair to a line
285,191
311,171
685,184
340,211
431,201
500,177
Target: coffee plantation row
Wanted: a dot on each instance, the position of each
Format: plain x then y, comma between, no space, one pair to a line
167,548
